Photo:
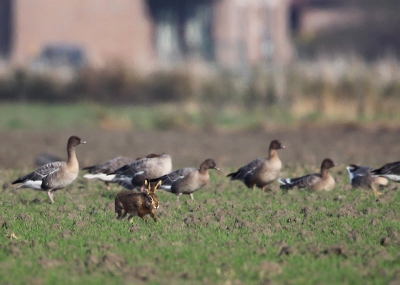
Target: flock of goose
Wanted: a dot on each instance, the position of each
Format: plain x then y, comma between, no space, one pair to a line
132,173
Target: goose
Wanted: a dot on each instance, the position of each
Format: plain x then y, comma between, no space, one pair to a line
186,180
316,182
103,171
390,171
133,175
261,171
54,175
361,177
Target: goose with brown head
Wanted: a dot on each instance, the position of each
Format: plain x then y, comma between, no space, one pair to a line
187,180
55,175
262,171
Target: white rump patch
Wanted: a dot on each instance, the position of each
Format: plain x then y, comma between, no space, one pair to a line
32,184
392,177
166,187
101,176
89,176
284,180
351,175
121,179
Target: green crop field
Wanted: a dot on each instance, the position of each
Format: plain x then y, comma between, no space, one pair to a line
175,116
342,107
228,235
162,117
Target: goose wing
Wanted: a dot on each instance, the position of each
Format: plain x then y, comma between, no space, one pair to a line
109,166
248,169
168,179
41,172
300,182
133,168
388,169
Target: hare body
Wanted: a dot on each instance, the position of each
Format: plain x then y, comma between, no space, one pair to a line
137,204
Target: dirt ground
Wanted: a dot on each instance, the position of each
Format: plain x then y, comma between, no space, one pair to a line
345,144
364,229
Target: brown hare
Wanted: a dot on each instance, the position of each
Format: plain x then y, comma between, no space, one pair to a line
137,203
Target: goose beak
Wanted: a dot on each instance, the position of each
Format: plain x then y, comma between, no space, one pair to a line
216,168
83,142
283,147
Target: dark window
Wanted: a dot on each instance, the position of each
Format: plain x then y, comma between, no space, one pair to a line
5,27
183,29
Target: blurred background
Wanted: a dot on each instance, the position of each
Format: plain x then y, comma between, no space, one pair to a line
197,65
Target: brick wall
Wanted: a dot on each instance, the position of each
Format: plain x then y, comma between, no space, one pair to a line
107,30
122,30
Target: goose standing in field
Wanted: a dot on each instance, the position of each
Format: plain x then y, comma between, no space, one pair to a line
315,182
261,171
55,175
390,171
133,175
186,180
361,177
104,170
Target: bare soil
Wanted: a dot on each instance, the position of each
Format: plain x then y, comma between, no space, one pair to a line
307,144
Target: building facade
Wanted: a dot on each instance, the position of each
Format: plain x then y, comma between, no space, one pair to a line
149,34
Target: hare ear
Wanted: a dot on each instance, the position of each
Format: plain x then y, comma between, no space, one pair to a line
157,185
147,186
